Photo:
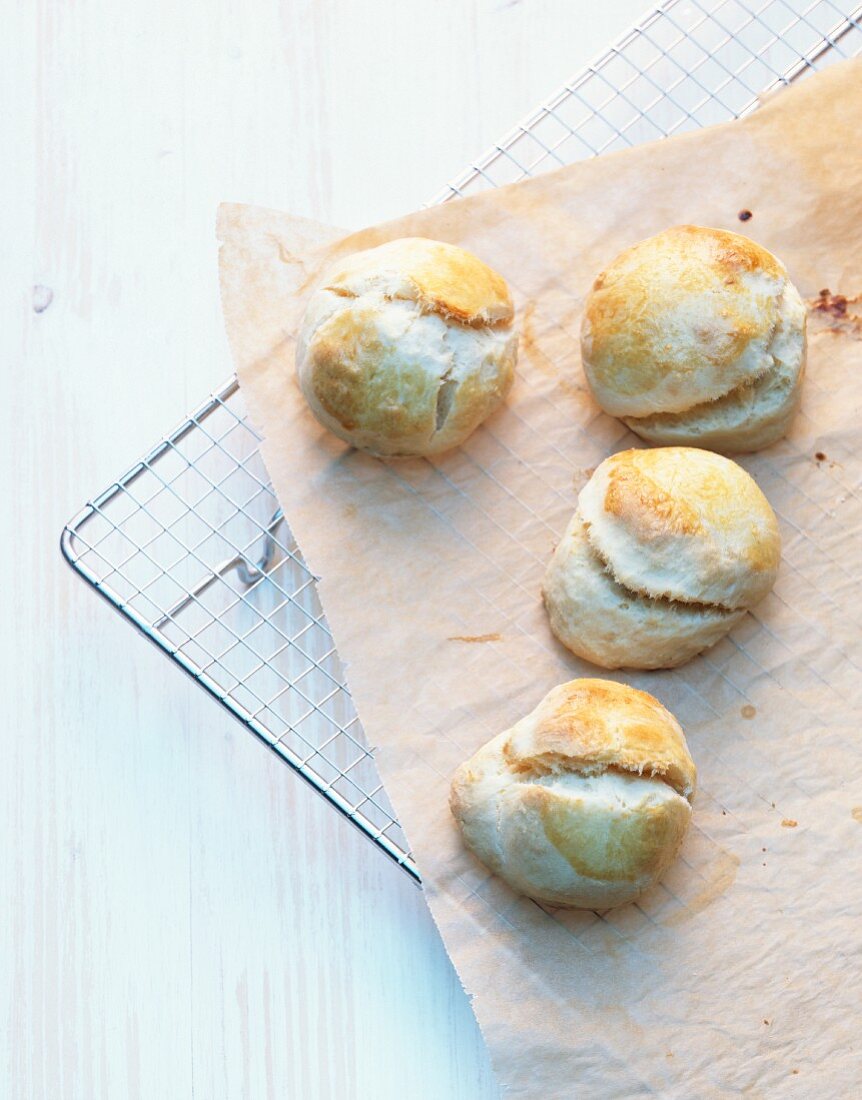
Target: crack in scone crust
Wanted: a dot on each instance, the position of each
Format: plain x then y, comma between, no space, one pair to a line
755,412
769,366
644,594
614,625
425,305
442,278
684,524
406,347
696,332
585,800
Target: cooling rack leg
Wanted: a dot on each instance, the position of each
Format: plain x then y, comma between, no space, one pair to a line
246,572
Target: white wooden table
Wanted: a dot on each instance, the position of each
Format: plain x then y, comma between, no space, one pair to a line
179,915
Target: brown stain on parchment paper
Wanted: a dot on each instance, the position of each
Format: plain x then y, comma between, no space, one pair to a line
821,457
283,254
830,312
527,338
471,638
856,814
530,348
580,479
721,876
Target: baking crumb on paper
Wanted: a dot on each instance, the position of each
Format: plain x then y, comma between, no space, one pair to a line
788,823
832,312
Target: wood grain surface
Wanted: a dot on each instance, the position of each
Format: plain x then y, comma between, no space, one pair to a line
180,915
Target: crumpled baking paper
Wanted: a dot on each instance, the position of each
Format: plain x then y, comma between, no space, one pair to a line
740,973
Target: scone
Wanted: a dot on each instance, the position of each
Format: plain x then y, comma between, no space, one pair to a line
406,348
667,550
585,802
696,336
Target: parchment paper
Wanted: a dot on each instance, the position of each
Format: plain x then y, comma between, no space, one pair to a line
739,974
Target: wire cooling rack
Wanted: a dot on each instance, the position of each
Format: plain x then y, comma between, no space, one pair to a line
189,544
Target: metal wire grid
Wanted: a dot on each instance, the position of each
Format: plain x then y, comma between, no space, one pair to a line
684,66
189,544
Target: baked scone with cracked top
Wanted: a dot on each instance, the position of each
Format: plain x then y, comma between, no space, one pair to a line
406,348
667,550
584,803
696,336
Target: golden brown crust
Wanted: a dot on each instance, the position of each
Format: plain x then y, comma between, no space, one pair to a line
592,725
616,849
353,390
406,348
585,801
755,414
637,496
614,627
684,524
682,318
442,277
639,502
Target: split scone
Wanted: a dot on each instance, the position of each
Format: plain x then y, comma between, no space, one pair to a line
696,336
667,550
585,802
406,348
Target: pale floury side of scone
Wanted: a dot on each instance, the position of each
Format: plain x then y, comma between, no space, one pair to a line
667,550
406,348
585,802
696,336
